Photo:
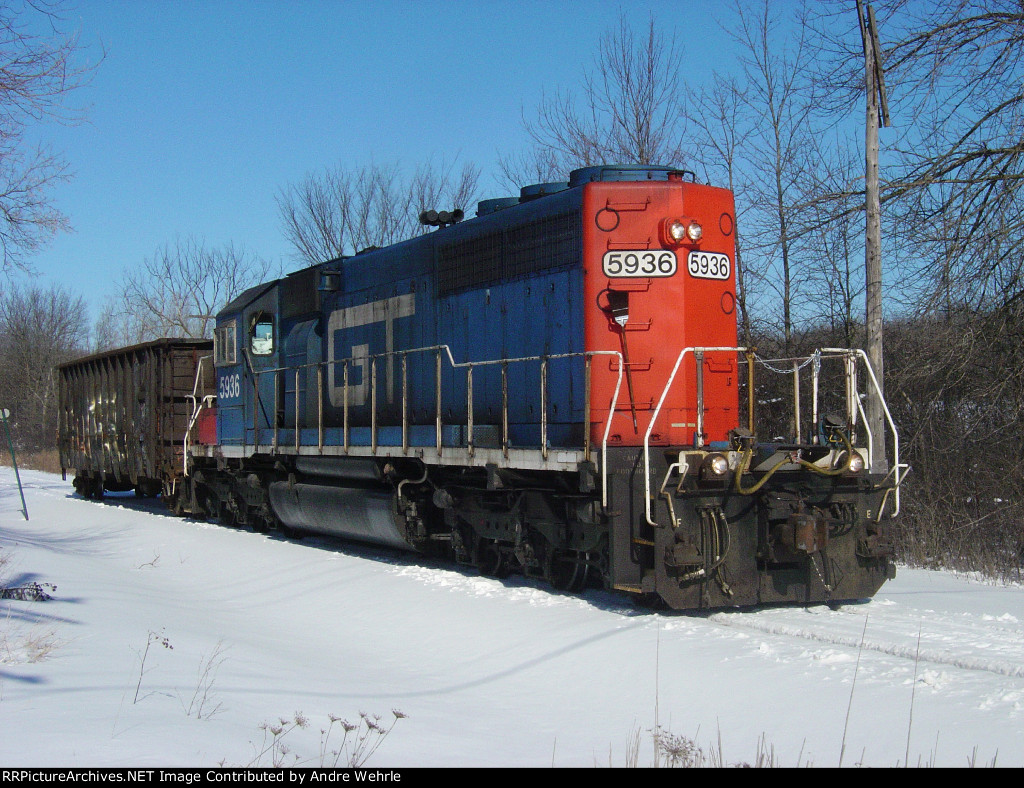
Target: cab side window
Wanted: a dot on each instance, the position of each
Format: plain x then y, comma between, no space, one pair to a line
224,351
262,342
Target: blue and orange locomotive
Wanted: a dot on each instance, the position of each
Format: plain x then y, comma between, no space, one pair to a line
553,387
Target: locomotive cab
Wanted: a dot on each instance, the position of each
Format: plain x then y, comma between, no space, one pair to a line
243,342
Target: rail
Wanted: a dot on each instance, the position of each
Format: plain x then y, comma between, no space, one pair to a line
854,407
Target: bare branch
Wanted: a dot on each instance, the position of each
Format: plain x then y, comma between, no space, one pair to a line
341,212
177,292
36,75
39,328
629,111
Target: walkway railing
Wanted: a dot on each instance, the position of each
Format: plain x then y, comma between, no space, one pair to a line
442,355
852,397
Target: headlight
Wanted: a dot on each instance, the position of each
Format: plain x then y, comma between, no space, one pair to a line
715,465
681,231
851,462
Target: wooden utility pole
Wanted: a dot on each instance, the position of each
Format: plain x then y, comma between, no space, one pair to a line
876,102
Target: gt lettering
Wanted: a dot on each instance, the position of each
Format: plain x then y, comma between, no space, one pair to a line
385,311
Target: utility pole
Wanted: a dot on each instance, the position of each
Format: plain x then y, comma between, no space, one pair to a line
876,101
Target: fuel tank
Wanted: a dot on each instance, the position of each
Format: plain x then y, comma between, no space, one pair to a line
365,515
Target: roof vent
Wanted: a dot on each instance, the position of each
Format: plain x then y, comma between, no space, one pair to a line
528,193
485,207
624,172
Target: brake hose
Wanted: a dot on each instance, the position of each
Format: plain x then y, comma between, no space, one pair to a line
741,468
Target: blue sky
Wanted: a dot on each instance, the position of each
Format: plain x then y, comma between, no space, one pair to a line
201,111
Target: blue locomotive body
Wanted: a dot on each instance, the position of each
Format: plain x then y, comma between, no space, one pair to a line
360,336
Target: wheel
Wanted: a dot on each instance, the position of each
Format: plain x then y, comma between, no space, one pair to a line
94,489
490,561
147,488
234,512
176,504
263,521
566,570
210,505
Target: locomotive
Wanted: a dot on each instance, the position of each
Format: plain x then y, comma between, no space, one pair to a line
553,388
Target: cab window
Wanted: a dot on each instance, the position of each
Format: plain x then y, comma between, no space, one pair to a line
224,351
262,343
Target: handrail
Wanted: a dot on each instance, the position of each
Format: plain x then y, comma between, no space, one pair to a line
853,405
469,366
888,417
657,410
197,408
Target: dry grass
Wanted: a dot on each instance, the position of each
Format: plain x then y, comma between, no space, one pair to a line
21,643
47,460
359,741
40,644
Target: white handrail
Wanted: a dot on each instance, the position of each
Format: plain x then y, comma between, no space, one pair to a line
654,418
469,365
834,352
888,417
197,408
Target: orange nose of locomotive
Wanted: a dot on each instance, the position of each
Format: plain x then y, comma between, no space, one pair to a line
659,262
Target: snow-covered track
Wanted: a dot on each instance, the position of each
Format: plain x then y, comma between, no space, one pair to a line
970,641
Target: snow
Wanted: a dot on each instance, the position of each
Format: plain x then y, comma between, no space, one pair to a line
488,672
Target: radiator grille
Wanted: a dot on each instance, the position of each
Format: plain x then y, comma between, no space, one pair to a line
510,253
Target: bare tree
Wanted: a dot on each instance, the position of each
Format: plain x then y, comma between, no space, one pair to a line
629,111
833,241
951,196
339,211
36,74
779,102
955,163
38,330
177,292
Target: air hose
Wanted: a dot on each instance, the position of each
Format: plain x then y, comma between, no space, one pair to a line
741,468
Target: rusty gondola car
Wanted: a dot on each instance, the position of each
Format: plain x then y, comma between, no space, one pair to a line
124,414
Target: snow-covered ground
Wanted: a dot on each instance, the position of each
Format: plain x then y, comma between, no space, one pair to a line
171,642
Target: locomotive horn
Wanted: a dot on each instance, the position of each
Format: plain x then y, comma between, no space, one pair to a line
441,218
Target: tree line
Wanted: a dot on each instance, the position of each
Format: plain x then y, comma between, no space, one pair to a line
780,124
